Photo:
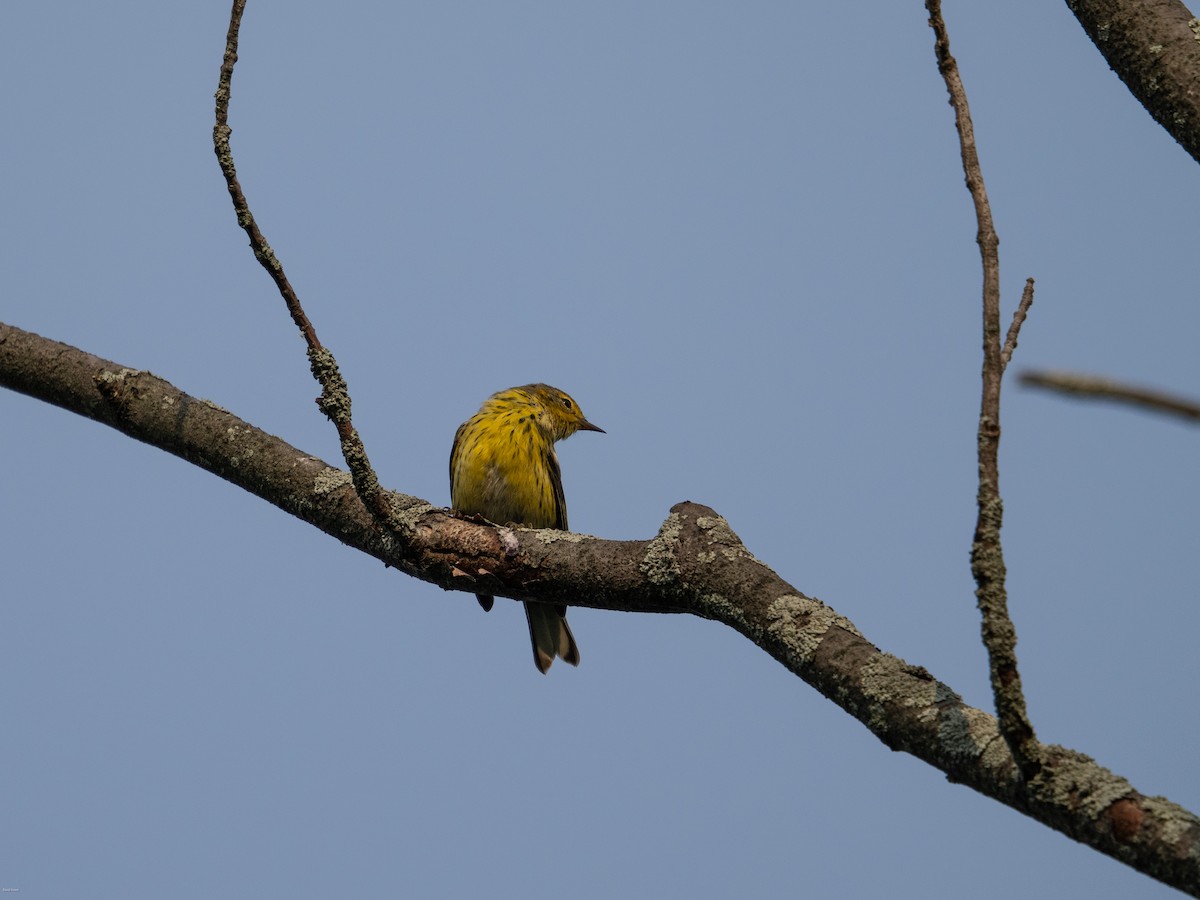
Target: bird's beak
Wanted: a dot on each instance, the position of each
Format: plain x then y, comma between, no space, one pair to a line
585,425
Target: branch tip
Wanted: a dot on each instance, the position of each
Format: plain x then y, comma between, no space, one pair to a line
1010,342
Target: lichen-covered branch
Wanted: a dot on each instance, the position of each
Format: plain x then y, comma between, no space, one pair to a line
695,564
987,554
335,398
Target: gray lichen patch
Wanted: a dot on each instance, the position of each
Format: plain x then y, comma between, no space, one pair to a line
1079,783
801,622
508,542
889,684
120,375
329,480
406,511
551,536
969,733
660,564
1178,824
723,539
406,505
889,680
718,529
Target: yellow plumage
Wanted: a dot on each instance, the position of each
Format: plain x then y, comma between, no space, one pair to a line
504,468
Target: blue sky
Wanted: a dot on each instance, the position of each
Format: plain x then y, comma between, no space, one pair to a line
738,235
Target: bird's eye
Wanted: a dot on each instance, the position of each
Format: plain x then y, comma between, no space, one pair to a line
567,402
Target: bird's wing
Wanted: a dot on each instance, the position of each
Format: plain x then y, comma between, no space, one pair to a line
560,501
454,456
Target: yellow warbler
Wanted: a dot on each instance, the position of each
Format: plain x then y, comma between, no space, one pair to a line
504,468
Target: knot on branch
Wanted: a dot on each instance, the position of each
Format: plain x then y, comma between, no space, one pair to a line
696,546
691,537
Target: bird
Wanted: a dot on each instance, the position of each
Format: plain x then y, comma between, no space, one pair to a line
503,467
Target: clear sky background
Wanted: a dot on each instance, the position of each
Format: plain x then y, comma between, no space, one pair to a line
738,234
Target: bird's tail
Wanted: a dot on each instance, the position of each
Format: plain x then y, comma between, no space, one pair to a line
550,635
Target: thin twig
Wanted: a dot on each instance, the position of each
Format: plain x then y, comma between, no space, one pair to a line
987,556
1010,343
1094,387
335,398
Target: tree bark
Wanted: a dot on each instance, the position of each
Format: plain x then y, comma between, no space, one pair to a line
1154,47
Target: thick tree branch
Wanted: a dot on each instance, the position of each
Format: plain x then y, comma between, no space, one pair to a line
1094,387
1154,46
694,564
987,554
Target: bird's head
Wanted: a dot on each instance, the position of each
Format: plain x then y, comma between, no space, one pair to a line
558,413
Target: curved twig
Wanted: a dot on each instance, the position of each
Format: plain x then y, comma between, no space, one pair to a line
987,555
335,398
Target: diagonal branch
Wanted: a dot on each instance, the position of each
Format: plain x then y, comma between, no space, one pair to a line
1096,388
335,397
1154,46
987,555
695,564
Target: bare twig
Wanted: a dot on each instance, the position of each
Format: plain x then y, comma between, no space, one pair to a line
1094,387
1010,343
335,398
987,556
